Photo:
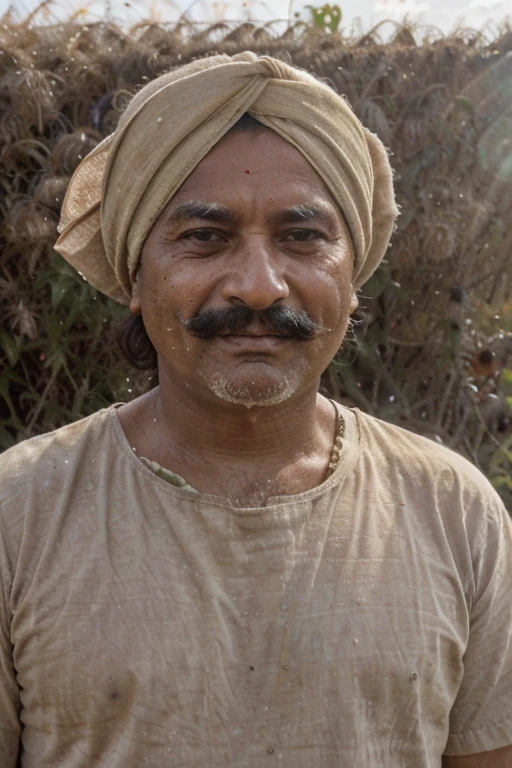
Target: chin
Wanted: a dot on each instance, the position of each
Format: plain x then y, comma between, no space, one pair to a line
252,394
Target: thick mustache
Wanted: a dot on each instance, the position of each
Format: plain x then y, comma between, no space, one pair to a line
280,321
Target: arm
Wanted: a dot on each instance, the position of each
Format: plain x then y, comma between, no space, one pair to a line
498,758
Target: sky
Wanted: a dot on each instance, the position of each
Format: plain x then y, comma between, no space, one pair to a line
359,15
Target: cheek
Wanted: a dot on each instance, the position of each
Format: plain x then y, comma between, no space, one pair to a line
342,293
171,291
335,306
330,296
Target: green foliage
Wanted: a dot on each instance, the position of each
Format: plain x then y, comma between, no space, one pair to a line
325,18
63,364
500,471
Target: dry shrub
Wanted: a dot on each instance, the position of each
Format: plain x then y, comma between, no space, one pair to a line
433,332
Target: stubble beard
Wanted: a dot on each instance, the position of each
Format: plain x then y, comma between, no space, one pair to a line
251,395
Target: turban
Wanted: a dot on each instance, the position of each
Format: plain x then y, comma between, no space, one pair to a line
119,190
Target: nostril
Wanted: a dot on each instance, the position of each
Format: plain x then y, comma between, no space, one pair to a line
257,284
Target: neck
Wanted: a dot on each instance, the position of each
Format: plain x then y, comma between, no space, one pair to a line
217,425
210,442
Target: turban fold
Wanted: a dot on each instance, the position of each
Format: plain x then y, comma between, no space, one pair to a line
119,190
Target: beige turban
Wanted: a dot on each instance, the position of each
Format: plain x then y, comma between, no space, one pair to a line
122,186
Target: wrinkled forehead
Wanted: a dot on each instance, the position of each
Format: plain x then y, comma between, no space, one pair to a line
255,174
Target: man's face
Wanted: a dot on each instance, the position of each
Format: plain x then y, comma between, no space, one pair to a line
253,227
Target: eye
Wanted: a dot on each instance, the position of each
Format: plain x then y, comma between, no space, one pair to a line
303,235
204,236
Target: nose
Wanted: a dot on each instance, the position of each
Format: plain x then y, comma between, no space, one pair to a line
256,277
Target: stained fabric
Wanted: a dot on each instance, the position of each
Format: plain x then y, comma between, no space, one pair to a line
122,186
365,622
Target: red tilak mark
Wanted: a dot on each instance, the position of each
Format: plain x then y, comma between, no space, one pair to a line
247,171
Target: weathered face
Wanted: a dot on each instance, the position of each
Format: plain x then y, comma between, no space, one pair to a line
254,227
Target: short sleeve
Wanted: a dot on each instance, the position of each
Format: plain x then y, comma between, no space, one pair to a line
10,728
480,719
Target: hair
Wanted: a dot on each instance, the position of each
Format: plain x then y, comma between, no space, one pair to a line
132,337
247,123
135,344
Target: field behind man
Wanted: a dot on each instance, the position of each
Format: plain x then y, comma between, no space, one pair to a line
431,348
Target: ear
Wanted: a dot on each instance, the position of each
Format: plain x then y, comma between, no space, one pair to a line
135,303
354,303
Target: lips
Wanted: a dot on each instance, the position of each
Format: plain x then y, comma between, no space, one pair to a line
253,341
254,333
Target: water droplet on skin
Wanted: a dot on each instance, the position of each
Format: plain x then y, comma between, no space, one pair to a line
355,641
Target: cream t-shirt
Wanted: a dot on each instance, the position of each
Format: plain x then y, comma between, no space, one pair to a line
366,622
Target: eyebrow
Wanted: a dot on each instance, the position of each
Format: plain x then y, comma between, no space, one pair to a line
299,213
195,209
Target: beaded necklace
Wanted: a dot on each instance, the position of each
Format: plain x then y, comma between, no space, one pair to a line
337,445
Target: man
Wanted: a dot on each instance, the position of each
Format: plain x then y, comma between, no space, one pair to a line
232,570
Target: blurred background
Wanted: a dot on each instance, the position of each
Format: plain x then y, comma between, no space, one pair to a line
431,346
357,15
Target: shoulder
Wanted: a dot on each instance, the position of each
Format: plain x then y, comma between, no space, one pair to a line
436,471
35,477
446,505
412,452
34,462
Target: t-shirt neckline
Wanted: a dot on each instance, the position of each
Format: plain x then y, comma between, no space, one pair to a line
349,456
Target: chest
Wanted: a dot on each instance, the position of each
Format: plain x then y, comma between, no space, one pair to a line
318,637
